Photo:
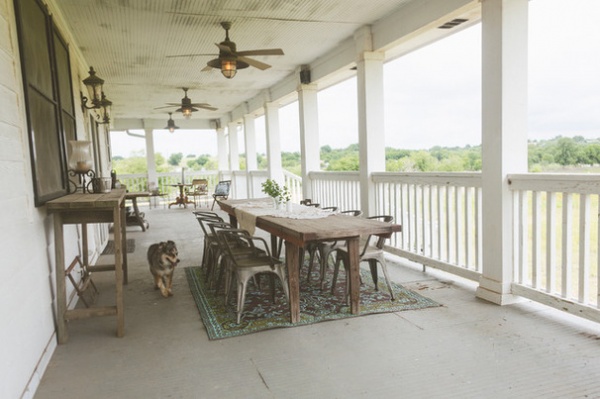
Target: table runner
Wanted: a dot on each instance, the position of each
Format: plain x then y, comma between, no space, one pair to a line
247,212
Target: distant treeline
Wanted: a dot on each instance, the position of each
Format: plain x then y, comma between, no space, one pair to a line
558,154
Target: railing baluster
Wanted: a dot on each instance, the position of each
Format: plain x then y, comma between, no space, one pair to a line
522,243
550,242
598,251
567,243
584,247
468,205
439,220
535,239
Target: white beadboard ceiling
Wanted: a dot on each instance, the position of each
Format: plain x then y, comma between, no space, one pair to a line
147,50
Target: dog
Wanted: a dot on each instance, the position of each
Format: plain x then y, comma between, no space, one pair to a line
162,258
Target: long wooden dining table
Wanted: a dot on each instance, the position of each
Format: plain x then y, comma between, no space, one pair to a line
297,233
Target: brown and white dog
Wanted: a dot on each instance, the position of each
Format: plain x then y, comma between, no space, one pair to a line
162,258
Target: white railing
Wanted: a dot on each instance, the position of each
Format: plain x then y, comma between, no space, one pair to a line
440,214
239,186
341,189
294,184
556,235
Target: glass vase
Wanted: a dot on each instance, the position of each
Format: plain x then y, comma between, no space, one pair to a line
80,159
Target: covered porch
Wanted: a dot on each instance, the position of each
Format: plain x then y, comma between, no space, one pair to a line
466,348
476,238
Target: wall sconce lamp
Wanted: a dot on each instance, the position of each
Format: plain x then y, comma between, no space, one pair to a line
94,85
105,110
96,97
171,124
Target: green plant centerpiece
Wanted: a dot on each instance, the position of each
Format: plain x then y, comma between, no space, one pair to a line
280,194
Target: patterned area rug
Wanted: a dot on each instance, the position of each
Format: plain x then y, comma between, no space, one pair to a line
110,247
261,313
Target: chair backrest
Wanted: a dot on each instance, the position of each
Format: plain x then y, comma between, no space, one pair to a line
216,227
374,240
200,186
222,188
330,208
352,213
205,220
206,214
233,238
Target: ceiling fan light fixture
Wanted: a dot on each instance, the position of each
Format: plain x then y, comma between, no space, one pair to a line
171,124
187,112
228,68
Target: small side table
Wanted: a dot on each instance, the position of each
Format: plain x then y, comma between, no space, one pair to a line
82,209
137,218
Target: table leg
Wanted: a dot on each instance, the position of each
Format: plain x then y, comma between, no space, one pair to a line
117,231
62,334
124,244
233,220
353,260
292,259
138,218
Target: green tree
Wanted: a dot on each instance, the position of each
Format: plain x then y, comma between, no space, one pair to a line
175,159
566,152
423,161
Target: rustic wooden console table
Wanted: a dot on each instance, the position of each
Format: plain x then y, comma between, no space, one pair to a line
82,209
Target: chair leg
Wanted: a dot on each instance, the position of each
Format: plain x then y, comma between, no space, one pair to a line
336,270
373,268
387,278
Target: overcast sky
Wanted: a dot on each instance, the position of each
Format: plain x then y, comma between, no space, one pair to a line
433,96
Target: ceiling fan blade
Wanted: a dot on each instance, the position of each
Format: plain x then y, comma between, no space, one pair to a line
206,68
191,55
268,51
224,48
256,64
208,107
168,106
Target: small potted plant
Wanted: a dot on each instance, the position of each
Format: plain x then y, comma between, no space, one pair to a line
272,189
280,194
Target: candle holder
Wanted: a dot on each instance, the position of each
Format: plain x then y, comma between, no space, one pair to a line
80,165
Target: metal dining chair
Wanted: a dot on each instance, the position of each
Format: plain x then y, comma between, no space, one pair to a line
372,251
243,266
221,192
210,241
325,248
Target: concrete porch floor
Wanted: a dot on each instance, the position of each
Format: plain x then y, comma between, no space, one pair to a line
468,348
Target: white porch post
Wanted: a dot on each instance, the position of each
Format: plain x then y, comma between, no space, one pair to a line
234,156
274,168
250,149
150,159
222,149
504,141
371,135
309,135
234,151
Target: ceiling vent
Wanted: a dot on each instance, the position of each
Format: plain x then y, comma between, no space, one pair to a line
453,23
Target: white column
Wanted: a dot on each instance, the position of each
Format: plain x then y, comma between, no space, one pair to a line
234,151
274,168
309,135
222,149
234,158
250,149
504,141
371,135
150,159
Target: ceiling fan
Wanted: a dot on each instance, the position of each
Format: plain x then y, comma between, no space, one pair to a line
186,107
230,60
